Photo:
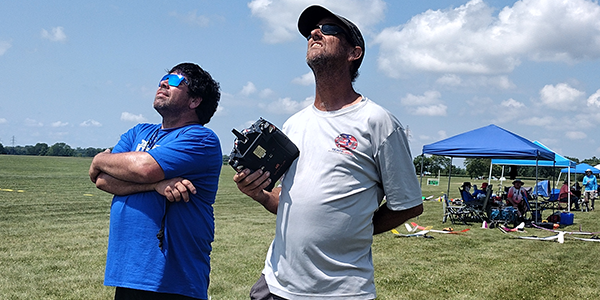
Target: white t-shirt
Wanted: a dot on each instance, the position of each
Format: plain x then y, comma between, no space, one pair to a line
349,159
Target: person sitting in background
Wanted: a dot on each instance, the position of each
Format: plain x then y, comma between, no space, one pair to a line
480,194
465,192
516,196
576,189
563,196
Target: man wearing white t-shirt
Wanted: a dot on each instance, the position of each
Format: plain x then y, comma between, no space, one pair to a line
352,154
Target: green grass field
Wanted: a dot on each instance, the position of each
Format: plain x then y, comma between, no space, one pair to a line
54,228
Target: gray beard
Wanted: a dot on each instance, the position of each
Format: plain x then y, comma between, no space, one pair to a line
324,66
318,63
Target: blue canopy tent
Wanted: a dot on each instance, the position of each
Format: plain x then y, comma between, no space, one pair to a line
559,161
580,169
487,142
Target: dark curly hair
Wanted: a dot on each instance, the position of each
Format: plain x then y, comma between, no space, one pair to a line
201,85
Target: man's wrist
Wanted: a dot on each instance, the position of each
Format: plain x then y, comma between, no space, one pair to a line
262,197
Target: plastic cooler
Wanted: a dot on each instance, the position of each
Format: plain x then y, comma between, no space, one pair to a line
566,218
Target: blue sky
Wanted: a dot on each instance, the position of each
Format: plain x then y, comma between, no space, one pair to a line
83,72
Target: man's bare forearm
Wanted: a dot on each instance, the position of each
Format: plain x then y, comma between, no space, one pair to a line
119,187
253,184
270,200
386,219
136,167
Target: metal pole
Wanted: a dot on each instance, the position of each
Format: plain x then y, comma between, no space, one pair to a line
421,176
569,184
490,177
536,185
449,175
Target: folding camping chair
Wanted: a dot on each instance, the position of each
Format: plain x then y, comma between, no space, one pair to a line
471,211
529,213
543,198
481,208
457,213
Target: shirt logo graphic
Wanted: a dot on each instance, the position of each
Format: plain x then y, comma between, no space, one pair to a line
346,141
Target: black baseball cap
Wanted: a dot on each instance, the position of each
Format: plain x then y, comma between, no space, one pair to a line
313,14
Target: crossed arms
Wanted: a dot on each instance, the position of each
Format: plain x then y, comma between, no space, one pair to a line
135,172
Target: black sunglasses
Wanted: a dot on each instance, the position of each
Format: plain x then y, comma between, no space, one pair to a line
329,29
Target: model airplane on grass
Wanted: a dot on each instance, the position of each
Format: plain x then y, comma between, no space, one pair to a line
448,230
567,232
520,227
560,235
423,233
594,238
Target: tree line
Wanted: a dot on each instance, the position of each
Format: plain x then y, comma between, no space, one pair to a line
480,167
58,149
474,167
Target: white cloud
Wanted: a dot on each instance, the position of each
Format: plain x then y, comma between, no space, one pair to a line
90,122
538,121
575,135
33,123
248,89
560,97
221,111
279,17
429,97
449,79
442,134
3,121
424,137
429,104
431,110
287,105
306,79
511,110
594,99
266,93
57,34
469,39
129,117
192,18
512,103
59,124
498,82
501,82
478,106
4,46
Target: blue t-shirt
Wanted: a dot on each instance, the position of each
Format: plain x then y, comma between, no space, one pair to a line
590,183
134,258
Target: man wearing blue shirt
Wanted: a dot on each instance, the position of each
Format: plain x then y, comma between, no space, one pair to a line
158,246
591,187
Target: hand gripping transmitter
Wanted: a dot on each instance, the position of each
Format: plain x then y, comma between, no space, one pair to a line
263,146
